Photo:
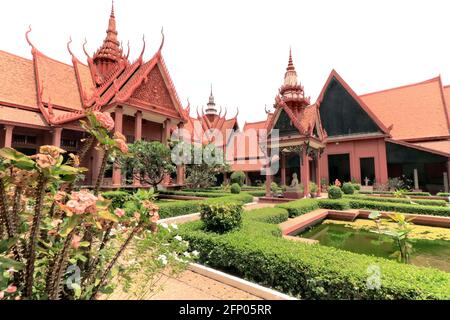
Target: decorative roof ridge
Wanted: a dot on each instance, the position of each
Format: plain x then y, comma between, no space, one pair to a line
401,87
444,103
16,55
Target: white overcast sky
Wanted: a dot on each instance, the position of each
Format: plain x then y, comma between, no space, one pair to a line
242,47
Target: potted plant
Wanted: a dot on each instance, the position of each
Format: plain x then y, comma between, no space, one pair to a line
313,189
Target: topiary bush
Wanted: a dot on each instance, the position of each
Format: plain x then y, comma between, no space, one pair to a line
348,188
299,207
118,198
235,188
221,218
238,177
268,215
334,204
334,192
357,186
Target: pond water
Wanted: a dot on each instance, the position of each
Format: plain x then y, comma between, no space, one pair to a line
426,253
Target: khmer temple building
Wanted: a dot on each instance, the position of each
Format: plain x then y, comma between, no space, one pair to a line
367,138
42,100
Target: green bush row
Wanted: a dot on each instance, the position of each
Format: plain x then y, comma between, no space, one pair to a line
195,194
179,208
443,194
398,207
409,193
258,253
299,207
267,215
333,204
439,203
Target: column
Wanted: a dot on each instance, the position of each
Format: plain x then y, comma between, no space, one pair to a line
137,137
8,135
247,179
118,120
180,175
318,174
416,180
166,132
305,171
448,171
283,168
138,126
56,137
268,181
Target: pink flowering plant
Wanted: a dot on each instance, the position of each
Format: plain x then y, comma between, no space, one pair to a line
49,227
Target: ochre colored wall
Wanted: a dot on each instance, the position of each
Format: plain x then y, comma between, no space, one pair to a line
357,149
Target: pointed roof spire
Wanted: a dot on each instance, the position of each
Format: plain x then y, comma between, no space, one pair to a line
211,106
110,49
290,78
290,63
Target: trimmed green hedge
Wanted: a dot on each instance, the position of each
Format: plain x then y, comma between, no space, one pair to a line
268,215
196,194
409,193
258,253
443,194
179,208
399,207
333,204
439,203
299,207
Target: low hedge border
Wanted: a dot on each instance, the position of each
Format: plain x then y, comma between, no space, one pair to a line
195,194
179,208
399,207
443,194
299,207
258,253
439,203
409,193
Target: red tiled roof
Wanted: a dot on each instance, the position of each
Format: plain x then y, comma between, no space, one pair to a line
442,146
416,111
17,82
59,83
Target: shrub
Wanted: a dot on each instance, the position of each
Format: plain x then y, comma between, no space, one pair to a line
118,198
399,207
348,188
357,186
182,207
439,203
268,215
238,177
443,194
413,193
221,218
312,187
334,192
258,253
203,194
257,193
333,204
235,188
299,207
274,187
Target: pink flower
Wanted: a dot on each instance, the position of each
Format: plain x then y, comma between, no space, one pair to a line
122,145
11,289
137,216
75,243
119,212
44,160
155,218
2,295
105,120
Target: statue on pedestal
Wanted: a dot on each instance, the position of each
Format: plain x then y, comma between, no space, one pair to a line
294,183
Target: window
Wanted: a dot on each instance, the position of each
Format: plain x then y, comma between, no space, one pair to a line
69,143
24,139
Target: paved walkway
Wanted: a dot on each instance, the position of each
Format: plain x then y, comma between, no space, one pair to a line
186,286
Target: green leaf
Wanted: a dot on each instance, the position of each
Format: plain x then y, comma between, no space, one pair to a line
71,223
106,215
20,160
6,263
5,245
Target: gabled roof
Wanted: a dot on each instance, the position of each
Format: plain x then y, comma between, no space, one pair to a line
361,102
416,112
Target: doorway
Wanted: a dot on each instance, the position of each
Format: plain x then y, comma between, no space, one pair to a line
367,170
339,167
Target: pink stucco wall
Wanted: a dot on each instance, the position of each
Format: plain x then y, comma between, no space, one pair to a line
357,149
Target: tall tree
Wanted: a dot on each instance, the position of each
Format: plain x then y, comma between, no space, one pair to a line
149,162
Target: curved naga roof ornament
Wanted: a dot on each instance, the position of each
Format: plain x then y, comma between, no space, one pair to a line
143,49
27,36
84,49
162,40
128,51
